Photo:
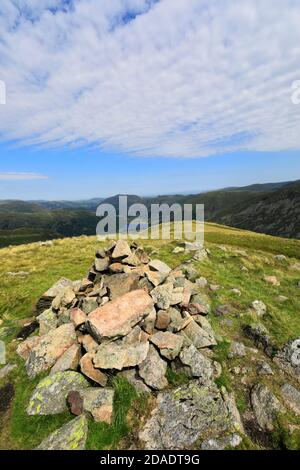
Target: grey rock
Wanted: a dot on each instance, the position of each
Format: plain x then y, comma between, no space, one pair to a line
288,359
118,355
99,403
71,436
89,304
153,370
157,265
168,343
162,296
237,350
197,335
120,284
291,397
259,307
265,406
264,369
64,298
2,352
101,264
49,397
132,377
69,360
224,443
176,320
48,321
187,414
199,365
201,282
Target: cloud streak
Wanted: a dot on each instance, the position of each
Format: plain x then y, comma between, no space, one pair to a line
10,176
172,78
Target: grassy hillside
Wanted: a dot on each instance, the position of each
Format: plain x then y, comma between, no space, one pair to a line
239,259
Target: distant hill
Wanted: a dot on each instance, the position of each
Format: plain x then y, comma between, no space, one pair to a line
272,208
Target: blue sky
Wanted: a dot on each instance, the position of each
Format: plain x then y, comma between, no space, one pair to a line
147,96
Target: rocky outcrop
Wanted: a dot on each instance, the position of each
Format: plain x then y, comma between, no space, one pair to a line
71,436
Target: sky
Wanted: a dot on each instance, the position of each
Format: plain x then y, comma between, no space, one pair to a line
147,96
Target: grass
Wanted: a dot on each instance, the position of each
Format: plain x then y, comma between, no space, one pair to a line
231,249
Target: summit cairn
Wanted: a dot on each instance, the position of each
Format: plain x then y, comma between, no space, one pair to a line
130,316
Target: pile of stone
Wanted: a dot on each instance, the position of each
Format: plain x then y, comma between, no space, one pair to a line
135,317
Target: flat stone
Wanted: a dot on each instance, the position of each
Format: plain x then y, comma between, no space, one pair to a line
101,264
291,397
99,402
69,360
49,397
162,296
71,436
77,317
198,336
168,343
48,321
116,318
157,265
188,414
120,284
88,369
199,365
265,406
119,355
121,250
49,349
153,370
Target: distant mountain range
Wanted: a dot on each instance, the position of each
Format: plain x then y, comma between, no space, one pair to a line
272,208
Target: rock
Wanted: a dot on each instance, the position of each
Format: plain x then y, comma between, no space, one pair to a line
282,298
178,249
88,343
46,300
2,352
120,284
280,258
197,335
75,402
177,296
201,282
47,321
190,272
236,292
49,397
265,406
64,298
116,268
98,402
116,318
168,344
237,350
149,322
288,359
27,330
155,277
89,304
69,360
204,323
162,296
196,309
88,369
192,246
163,319
77,317
118,355
71,436
49,349
160,266
7,370
132,377
153,370
272,280
224,443
132,260
201,254
101,264
121,250
187,414
259,307
176,320
24,348
199,365
291,397
264,369
259,334
222,310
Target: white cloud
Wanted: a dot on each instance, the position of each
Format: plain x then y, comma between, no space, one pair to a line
185,78
10,176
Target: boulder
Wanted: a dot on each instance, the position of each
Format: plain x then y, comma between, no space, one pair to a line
162,296
88,343
64,298
71,436
101,264
168,344
69,360
291,397
77,317
49,397
197,336
88,369
199,365
188,414
265,406
48,321
119,355
120,284
116,318
49,349
160,266
46,299
121,250
153,370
